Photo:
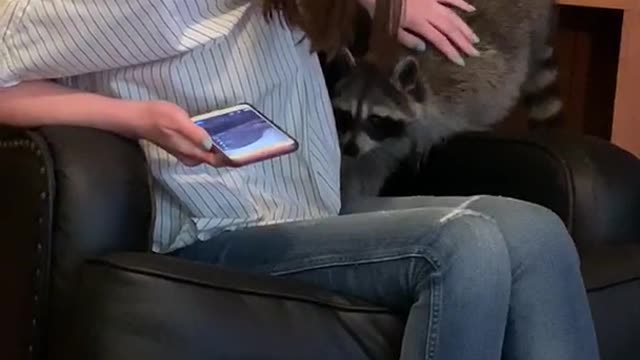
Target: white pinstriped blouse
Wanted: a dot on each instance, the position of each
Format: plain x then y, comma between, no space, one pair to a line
201,55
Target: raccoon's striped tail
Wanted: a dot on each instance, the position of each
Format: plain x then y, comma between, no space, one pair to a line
540,92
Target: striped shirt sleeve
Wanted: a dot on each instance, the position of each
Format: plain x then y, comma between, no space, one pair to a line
8,9
44,39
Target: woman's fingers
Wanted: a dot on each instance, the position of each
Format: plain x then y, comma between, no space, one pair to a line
216,159
200,144
462,26
460,4
436,22
451,28
463,42
441,42
189,161
170,127
411,41
195,134
193,156
193,148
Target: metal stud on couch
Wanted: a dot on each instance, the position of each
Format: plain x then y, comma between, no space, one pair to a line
81,283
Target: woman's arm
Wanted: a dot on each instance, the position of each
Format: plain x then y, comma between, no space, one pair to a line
39,103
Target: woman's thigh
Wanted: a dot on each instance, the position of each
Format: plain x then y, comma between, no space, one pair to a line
383,256
533,234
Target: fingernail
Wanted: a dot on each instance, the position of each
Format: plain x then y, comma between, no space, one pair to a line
472,8
475,52
459,61
207,144
421,46
475,39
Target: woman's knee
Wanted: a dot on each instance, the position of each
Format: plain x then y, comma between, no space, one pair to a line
474,252
533,234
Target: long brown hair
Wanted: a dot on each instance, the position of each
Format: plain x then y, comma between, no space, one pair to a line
330,25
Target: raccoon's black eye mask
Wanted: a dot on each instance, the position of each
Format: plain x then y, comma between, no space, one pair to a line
376,127
344,121
380,128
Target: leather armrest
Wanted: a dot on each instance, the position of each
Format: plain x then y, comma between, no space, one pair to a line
590,183
67,194
26,187
144,306
102,202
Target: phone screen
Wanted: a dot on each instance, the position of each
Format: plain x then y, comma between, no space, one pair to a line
243,135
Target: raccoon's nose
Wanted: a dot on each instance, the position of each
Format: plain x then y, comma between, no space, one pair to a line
351,149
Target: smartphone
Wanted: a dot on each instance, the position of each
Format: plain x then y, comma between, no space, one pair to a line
244,135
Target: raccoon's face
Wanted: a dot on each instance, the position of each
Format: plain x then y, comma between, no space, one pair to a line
371,108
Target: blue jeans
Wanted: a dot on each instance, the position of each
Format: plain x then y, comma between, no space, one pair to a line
480,278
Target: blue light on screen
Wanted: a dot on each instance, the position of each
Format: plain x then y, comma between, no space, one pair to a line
242,133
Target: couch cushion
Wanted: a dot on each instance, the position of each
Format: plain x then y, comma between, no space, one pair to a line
143,306
612,277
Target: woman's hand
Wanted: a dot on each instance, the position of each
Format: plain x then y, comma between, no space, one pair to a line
434,21
170,127
43,103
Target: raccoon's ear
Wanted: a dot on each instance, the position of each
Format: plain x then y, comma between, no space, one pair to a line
344,61
406,73
337,67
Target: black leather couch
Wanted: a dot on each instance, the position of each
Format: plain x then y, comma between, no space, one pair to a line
80,283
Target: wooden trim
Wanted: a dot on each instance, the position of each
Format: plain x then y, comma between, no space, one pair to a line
626,116
607,4
625,131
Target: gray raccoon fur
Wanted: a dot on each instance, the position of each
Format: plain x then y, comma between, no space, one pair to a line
381,120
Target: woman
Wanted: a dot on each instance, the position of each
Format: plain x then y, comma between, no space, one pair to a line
480,278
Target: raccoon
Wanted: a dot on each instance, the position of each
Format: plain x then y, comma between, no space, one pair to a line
383,119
